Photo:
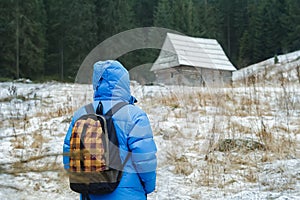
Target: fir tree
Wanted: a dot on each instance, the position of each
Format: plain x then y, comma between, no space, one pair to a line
291,23
113,17
71,33
8,27
163,14
22,38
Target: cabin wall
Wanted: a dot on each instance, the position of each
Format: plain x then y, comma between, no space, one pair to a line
192,76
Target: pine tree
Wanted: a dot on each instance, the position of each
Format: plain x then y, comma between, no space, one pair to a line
183,17
240,25
7,39
246,39
24,34
55,33
291,23
267,29
258,32
32,38
245,50
113,17
71,32
227,17
163,14
249,31
207,20
144,12
275,30
80,37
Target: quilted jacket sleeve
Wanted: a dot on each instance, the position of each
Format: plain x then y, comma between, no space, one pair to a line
143,148
66,146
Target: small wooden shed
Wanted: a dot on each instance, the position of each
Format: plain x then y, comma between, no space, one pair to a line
185,60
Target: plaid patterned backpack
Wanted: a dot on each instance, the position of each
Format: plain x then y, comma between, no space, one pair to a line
95,163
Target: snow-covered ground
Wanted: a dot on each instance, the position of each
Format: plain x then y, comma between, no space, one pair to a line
287,68
191,127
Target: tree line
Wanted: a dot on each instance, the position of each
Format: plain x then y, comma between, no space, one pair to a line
49,39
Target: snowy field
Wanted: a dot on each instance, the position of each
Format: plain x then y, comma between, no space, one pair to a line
189,126
239,142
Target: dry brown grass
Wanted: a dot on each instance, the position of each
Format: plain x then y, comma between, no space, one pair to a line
257,110
215,168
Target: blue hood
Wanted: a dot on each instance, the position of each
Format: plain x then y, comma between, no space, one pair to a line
111,82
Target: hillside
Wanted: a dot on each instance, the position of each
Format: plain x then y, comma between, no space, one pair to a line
287,69
241,142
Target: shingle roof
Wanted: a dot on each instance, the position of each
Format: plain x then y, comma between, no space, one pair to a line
191,51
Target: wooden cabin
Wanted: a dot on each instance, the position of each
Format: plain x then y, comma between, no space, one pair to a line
192,61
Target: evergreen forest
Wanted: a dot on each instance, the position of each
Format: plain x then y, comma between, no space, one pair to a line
49,39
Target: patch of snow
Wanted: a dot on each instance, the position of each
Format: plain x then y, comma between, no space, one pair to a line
286,62
186,136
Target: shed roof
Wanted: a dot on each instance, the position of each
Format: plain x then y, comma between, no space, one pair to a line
191,51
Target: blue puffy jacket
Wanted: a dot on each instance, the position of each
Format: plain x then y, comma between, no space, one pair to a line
111,85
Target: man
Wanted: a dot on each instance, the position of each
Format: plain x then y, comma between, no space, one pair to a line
111,85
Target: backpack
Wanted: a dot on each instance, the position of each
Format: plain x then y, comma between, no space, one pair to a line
95,163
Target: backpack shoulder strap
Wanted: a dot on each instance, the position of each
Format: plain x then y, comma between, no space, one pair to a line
89,108
116,108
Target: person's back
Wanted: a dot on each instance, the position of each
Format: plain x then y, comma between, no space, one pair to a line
111,85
